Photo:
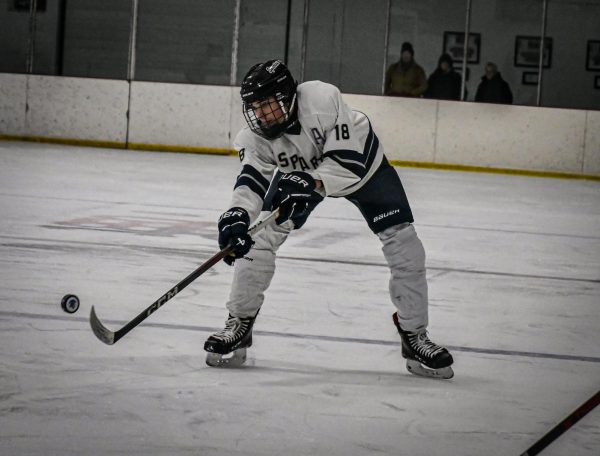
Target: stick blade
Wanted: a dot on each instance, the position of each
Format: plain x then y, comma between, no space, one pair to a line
101,331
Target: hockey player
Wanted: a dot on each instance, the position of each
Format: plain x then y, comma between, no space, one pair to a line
303,143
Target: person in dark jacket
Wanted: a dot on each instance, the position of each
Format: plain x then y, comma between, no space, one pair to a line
405,78
444,83
492,88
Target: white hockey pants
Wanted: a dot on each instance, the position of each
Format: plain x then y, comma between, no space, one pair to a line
252,275
405,256
401,247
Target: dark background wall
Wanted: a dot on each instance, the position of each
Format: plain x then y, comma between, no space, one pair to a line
193,41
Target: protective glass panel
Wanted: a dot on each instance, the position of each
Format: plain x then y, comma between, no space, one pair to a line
47,36
14,37
573,79
345,44
295,37
432,27
185,41
363,46
261,36
95,42
510,39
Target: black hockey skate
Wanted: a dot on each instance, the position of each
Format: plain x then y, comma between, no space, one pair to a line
233,339
423,357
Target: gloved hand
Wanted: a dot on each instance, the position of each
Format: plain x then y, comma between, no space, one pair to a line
233,230
295,196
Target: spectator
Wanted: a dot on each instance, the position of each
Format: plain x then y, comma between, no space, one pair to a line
444,83
492,88
405,78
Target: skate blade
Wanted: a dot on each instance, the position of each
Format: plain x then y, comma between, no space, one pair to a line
234,359
416,368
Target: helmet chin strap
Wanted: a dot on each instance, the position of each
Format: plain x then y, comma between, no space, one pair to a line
292,105
283,109
286,112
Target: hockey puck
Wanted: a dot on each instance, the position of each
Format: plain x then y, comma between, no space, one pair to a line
70,303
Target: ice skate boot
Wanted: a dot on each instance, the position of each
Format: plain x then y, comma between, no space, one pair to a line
423,357
233,339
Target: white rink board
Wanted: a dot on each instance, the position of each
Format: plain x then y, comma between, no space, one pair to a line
482,134
405,127
13,99
77,108
237,121
591,163
180,114
186,115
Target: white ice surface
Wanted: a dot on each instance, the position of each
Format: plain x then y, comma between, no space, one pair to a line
514,278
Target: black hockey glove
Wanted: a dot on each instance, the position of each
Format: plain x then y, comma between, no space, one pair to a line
233,230
295,197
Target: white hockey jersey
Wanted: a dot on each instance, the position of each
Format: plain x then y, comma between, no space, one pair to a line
332,143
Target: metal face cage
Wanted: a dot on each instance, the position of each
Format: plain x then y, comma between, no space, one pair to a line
271,116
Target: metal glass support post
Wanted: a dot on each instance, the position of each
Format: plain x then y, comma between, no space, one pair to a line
341,47
541,62
235,43
60,37
304,40
31,43
131,61
132,40
386,44
465,49
288,18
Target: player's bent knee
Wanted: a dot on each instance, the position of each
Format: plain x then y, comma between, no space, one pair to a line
403,249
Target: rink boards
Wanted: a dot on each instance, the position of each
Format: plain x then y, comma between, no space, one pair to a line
196,118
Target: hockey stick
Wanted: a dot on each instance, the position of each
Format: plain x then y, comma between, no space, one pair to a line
565,424
109,337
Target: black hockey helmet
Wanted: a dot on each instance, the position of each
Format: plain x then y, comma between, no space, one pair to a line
269,99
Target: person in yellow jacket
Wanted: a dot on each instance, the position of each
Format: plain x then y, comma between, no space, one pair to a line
405,78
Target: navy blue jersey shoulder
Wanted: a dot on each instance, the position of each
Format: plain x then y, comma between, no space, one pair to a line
253,179
355,162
